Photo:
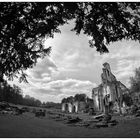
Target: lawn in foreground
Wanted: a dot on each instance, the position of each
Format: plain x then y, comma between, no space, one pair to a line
28,126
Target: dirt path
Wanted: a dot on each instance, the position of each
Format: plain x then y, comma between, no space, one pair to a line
28,126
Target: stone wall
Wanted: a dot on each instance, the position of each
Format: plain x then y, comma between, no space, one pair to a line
73,107
109,91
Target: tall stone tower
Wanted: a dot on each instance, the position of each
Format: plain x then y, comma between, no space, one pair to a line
109,92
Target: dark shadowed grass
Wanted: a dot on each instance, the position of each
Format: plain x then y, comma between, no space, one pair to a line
27,125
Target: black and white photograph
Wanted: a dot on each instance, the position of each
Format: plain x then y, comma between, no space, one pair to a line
69,69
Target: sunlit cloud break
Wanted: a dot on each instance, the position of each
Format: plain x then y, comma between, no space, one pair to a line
73,67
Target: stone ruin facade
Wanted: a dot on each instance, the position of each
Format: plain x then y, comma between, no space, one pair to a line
73,107
108,95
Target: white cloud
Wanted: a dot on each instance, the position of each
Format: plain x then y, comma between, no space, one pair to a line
73,67
128,59
57,89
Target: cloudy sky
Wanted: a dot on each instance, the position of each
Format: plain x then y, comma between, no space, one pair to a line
73,67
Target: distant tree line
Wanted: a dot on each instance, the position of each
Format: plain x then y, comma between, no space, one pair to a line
51,105
14,94
77,97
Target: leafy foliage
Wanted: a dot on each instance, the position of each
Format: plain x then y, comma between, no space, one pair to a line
80,97
64,100
14,95
52,105
25,25
108,22
135,81
127,99
77,97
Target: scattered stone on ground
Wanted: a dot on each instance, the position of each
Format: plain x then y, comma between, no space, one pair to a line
73,120
101,124
40,113
112,123
6,108
98,116
90,121
97,121
83,124
107,118
137,113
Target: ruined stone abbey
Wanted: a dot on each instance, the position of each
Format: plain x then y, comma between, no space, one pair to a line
106,97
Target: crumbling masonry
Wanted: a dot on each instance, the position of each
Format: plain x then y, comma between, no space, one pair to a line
108,95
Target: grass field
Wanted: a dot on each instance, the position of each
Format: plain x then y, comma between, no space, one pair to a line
28,126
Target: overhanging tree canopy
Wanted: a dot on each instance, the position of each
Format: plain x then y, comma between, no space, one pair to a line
25,25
